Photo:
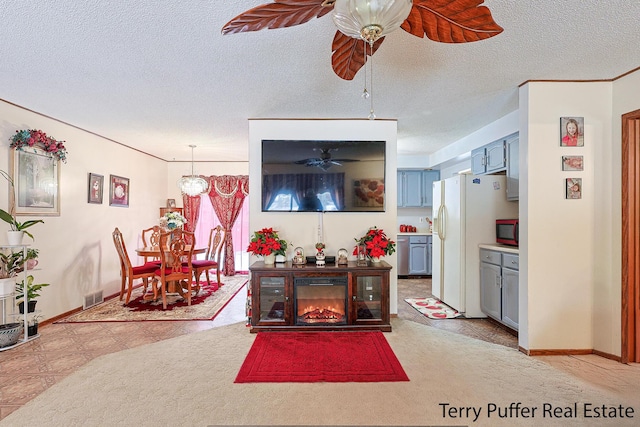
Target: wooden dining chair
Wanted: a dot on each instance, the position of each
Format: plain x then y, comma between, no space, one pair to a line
151,238
176,253
128,272
212,258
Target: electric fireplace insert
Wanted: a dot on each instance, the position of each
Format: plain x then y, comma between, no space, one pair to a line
320,300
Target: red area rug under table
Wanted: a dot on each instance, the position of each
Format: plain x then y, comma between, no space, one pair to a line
320,357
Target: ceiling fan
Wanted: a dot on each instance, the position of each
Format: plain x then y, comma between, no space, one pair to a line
325,161
446,21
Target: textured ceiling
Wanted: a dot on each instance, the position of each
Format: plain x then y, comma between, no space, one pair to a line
157,75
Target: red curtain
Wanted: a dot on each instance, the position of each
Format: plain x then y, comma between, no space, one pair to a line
227,193
191,211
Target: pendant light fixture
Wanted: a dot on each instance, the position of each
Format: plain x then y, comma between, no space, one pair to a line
369,20
193,185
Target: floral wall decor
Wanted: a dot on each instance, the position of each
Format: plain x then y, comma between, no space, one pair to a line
32,138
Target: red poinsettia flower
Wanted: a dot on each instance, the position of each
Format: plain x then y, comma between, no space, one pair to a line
377,243
266,242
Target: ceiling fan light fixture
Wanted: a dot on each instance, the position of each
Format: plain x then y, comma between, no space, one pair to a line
370,19
193,185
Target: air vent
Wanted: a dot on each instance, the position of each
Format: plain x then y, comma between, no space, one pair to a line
92,299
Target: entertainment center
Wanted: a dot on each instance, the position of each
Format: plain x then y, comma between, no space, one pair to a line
306,297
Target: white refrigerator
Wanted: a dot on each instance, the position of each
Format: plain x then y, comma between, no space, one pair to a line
465,209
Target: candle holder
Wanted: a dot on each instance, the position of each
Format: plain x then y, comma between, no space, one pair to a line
362,255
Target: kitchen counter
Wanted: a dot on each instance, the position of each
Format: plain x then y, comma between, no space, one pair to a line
418,233
501,248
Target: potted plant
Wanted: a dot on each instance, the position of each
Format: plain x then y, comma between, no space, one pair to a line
10,265
17,228
31,260
33,291
376,244
268,244
32,326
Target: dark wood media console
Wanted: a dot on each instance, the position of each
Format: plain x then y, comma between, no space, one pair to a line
306,297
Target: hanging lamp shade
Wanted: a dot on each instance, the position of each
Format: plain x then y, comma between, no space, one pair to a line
193,185
370,19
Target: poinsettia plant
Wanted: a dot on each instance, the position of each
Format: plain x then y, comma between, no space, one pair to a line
376,243
266,242
23,139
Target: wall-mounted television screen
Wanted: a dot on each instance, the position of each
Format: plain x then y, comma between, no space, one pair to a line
323,176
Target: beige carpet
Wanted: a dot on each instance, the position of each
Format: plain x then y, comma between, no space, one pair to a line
188,381
114,310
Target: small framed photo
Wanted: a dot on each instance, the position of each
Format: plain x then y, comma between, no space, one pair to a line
96,184
118,191
573,188
571,131
171,203
572,163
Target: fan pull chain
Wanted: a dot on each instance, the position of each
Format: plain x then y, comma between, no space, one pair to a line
372,115
365,93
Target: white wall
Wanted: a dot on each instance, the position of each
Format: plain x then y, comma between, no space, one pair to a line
77,255
459,151
562,247
340,228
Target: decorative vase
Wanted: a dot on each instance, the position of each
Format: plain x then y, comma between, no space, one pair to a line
7,286
31,263
270,259
375,259
281,258
15,237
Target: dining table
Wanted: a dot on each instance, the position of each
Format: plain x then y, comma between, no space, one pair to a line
154,252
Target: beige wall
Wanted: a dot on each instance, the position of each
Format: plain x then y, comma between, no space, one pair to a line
340,229
77,255
570,249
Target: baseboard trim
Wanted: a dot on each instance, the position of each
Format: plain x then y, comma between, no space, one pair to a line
569,352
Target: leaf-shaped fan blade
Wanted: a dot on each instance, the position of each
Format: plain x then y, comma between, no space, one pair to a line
348,54
458,21
280,14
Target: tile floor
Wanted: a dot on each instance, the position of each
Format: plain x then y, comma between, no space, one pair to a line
30,369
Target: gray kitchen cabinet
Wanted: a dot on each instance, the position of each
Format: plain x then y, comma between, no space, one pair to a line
513,167
414,187
492,158
428,178
499,283
420,255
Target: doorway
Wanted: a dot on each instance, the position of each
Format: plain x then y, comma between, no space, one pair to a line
630,238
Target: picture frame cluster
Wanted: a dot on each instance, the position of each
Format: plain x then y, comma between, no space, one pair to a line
118,190
572,135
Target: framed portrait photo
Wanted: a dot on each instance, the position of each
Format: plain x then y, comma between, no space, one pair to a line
95,188
118,191
572,163
571,131
36,177
573,188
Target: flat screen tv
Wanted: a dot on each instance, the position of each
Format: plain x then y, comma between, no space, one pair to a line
323,176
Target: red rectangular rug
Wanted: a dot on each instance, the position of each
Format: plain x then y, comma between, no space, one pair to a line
320,357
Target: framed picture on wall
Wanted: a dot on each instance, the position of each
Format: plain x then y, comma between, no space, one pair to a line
96,184
571,131
572,163
36,177
573,188
118,191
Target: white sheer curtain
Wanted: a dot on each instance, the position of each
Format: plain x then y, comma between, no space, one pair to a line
208,219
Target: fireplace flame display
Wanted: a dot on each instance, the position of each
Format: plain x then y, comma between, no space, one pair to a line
321,311
321,304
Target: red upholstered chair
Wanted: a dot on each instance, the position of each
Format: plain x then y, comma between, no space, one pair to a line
212,258
128,272
176,253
